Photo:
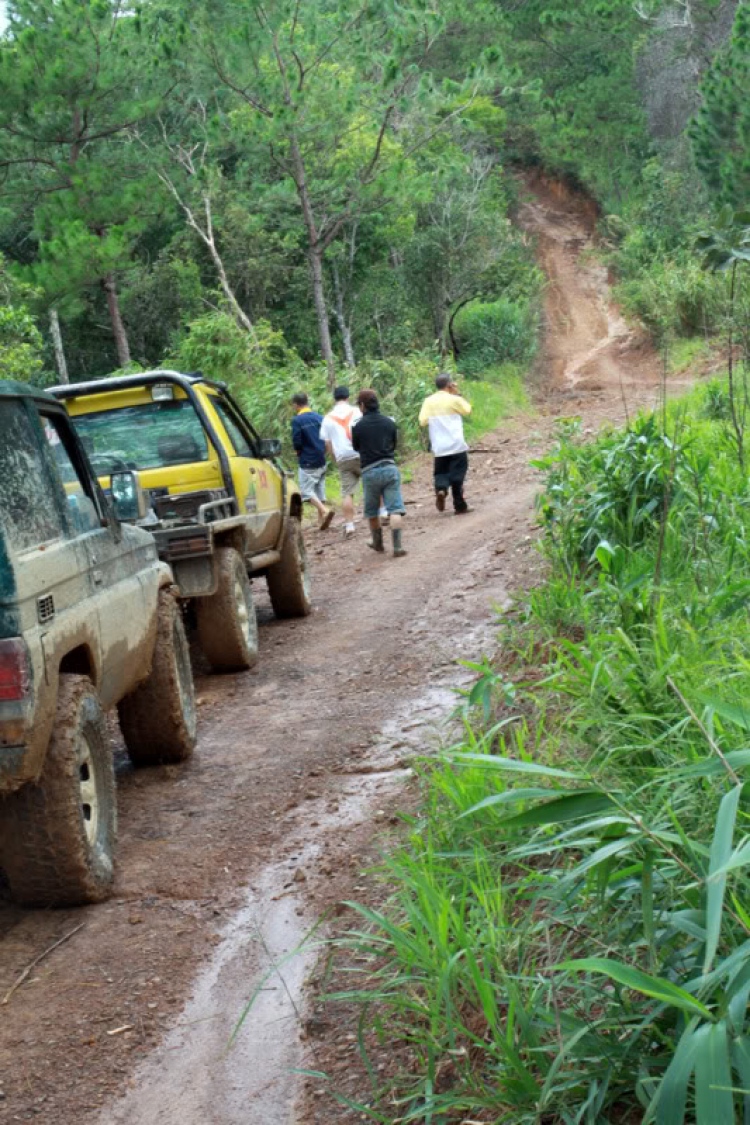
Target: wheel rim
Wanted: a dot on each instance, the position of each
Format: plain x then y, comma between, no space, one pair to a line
184,677
89,795
245,616
302,554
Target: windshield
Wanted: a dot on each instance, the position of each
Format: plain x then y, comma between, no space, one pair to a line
153,435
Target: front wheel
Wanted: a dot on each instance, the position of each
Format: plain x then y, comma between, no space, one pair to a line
288,579
227,625
58,834
159,719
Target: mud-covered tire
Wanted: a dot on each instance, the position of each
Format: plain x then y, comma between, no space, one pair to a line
227,624
288,579
57,835
159,719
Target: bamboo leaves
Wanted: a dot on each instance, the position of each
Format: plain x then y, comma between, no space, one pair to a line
721,848
656,987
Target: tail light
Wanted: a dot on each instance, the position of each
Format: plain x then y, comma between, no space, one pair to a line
15,674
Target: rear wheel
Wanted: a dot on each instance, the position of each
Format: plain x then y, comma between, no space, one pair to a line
227,625
159,719
288,579
58,835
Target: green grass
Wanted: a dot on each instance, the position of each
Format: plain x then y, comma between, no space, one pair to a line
686,352
495,397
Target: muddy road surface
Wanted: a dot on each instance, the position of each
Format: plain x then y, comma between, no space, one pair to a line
225,863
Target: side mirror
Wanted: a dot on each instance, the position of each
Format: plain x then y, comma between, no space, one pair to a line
128,497
270,447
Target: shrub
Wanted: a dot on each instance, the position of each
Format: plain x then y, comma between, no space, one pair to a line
495,332
674,295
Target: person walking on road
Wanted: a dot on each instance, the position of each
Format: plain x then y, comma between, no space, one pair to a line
311,457
374,438
443,412
336,432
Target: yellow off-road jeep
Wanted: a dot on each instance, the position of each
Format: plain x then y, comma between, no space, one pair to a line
219,504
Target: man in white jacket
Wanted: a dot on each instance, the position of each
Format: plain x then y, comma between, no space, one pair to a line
444,412
336,432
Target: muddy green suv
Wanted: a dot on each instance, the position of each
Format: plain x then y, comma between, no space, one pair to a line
89,620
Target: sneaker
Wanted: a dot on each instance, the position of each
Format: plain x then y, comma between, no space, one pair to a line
440,500
326,521
349,531
383,516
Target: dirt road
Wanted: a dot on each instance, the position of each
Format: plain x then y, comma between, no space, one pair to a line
226,862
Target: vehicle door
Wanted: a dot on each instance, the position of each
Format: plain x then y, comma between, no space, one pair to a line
47,584
120,564
257,481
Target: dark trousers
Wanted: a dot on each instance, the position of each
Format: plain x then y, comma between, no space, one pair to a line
450,472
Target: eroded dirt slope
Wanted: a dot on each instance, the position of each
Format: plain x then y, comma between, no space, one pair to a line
290,788
588,346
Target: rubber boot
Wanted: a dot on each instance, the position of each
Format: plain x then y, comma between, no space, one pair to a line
398,550
377,539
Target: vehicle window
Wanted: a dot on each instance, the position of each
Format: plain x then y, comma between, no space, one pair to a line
81,508
241,445
153,435
29,514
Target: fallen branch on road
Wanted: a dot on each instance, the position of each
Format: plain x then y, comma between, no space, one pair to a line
483,449
36,961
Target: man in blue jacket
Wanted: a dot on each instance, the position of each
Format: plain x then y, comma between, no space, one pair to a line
311,457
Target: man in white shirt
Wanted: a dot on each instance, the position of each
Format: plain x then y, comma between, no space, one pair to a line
444,412
336,432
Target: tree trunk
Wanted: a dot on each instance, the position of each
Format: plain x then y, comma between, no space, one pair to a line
376,318
240,315
57,344
315,257
118,328
346,332
316,269
454,342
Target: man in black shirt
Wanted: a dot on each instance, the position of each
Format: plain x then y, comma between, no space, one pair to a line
374,437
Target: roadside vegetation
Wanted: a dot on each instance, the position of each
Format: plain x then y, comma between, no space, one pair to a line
565,935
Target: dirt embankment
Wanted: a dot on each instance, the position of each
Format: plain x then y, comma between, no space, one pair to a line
225,862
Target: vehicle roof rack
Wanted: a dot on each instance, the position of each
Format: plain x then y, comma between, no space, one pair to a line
139,379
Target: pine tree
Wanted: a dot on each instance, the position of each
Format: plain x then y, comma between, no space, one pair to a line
720,131
74,77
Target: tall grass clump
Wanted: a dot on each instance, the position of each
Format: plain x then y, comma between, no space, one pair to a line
565,933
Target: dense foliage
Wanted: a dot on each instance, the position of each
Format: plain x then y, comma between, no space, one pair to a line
339,179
